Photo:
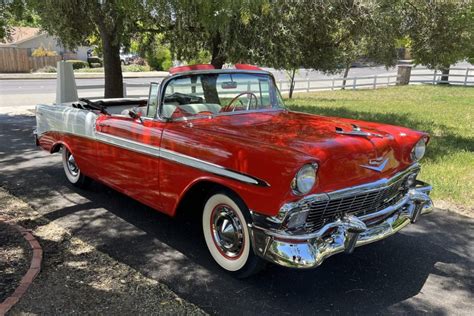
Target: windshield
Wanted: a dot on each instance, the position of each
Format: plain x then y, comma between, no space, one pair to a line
209,94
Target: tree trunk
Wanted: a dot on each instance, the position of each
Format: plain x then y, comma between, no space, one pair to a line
112,68
217,60
444,76
346,73
292,83
209,88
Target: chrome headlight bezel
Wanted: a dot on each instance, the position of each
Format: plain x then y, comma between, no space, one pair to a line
305,179
418,151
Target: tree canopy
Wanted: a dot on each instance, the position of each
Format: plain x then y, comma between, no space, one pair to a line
440,32
114,22
284,34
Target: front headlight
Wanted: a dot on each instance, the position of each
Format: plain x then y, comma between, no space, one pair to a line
419,150
305,179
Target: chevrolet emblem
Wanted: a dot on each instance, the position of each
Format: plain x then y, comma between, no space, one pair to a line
377,164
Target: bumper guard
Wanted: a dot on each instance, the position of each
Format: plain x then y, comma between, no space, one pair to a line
343,235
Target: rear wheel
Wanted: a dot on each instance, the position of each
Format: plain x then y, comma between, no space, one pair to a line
224,222
72,171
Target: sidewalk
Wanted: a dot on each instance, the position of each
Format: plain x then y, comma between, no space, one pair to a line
80,75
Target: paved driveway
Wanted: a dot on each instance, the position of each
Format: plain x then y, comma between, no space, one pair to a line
428,268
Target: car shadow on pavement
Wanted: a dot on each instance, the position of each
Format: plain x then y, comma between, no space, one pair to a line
374,279
371,280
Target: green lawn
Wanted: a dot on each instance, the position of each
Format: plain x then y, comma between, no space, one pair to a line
447,113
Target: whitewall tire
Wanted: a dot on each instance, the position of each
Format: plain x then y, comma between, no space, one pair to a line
224,221
72,171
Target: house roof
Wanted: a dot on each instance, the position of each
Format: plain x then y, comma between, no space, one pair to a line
21,34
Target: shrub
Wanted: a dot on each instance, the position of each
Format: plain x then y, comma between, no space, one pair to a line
139,61
77,64
49,69
136,68
43,52
94,60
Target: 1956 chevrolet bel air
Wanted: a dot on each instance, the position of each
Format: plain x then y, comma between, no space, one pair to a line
271,185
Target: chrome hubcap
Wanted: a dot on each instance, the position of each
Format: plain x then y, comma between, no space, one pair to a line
71,164
227,231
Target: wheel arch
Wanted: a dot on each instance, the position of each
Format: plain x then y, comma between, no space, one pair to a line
196,194
58,145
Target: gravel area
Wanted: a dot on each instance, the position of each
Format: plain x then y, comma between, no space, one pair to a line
76,278
15,257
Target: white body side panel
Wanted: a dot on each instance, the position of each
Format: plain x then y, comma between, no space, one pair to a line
66,119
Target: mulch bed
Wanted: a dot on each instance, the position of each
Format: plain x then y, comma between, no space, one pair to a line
75,277
15,258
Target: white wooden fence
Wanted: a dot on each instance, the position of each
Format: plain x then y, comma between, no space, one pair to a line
367,82
457,76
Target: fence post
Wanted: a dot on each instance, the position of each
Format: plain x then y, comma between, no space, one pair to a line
354,83
375,81
307,88
403,74
467,74
332,86
434,77
388,81
124,89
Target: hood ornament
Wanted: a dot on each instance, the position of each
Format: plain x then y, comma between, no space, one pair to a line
377,164
356,131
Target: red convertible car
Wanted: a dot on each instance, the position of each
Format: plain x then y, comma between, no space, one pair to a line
270,184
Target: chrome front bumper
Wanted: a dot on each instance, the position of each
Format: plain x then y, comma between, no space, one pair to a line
343,235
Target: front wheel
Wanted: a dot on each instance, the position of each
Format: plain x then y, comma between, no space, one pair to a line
224,222
72,171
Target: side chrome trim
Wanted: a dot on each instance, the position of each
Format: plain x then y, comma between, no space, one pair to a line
81,123
179,158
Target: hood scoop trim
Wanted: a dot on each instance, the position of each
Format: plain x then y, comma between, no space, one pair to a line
356,131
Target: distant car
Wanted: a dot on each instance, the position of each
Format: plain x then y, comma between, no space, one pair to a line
270,185
127,59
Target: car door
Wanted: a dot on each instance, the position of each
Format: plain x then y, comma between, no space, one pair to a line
130,152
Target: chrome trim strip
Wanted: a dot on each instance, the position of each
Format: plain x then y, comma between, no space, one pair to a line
178,158
82,123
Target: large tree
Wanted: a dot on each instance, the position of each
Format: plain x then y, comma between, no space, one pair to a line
114,22
13,12
215,26
325,35
440,32
371,30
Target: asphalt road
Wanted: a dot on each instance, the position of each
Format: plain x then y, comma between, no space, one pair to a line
34,91
427,268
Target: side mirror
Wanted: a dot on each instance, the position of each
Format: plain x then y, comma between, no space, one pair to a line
134,114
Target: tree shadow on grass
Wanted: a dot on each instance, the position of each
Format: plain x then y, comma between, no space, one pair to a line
442,145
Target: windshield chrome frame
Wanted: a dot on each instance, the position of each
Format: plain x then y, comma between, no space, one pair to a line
167,80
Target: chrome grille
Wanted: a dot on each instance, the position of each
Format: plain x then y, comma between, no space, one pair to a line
362,203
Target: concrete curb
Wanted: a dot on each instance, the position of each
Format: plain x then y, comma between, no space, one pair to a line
81,75
32,272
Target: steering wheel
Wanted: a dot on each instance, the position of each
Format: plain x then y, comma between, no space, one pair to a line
250,96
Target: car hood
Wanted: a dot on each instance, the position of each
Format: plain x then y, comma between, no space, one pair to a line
354,159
